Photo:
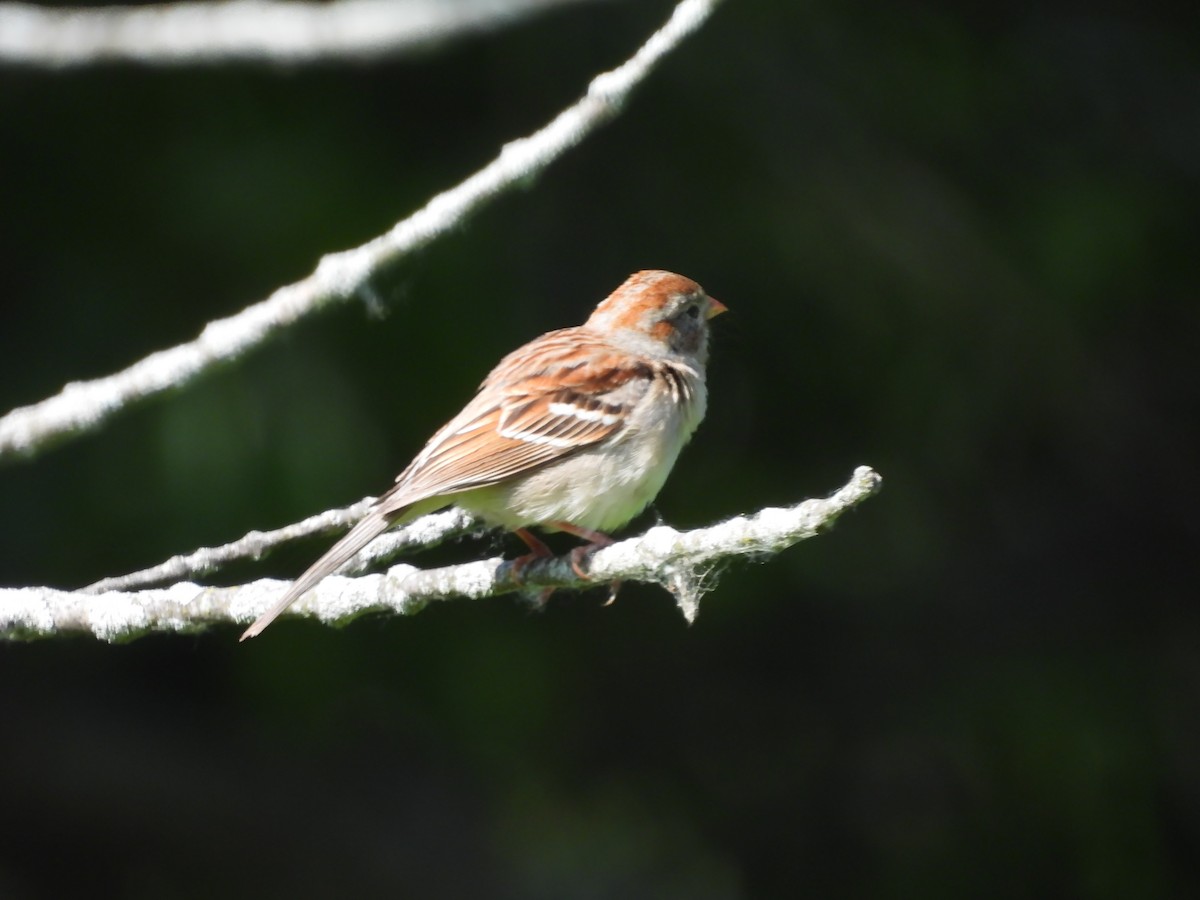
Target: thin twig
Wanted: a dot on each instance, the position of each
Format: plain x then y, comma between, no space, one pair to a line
428,531
681,561
264,31
84,406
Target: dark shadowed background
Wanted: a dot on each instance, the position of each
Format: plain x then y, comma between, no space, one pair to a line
958,243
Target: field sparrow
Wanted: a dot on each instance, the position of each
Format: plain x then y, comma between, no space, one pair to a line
576,431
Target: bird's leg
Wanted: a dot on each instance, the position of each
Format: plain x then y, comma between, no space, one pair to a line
537,550
596,540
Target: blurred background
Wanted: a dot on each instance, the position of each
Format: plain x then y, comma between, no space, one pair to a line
958,243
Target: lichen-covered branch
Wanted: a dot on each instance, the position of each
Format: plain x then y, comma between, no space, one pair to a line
680,561
84,406
264,31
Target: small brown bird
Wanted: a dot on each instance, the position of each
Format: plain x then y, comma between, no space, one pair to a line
576,431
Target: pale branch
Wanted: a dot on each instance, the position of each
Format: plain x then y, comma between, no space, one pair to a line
84,406
264,31
428,531
680,561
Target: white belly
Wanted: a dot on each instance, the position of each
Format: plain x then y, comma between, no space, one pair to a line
600,488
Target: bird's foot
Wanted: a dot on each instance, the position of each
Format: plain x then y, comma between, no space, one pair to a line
537,550
597,540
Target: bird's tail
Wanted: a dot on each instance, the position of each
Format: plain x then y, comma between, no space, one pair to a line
371,526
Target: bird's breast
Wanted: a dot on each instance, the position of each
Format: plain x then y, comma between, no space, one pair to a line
603,486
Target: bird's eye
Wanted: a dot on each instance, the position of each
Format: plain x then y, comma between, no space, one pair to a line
693,311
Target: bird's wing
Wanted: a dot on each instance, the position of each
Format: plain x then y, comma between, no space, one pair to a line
565,391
